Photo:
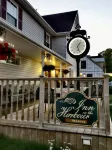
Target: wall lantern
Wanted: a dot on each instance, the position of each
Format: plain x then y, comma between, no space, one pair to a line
86,140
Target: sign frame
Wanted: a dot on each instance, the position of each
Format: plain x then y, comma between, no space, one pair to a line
78,124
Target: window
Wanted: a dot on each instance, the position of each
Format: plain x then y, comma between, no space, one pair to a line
83,64
47,40
15,61
12,13
89,75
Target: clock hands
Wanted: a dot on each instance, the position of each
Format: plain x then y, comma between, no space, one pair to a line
78,46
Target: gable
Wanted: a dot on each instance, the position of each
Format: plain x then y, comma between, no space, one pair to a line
61,22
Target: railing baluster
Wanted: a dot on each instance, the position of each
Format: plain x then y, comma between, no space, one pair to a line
54,102
34,91
82,86
90,86
17,99
28,110
1,103
23,99
49,101
75,85
97,90
61,88
12,92
6,108
68,86
98,100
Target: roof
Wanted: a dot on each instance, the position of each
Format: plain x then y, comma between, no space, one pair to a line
99,56
61,22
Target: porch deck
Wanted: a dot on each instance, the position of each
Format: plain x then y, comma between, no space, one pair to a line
24,108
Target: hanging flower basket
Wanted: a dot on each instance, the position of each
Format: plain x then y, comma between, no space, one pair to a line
65,71
48,67
7,52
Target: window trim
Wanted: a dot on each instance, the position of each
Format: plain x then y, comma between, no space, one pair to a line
47,34
15,5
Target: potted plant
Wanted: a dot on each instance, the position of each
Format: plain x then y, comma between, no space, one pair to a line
66,71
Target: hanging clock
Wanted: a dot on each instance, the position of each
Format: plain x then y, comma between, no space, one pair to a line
78,46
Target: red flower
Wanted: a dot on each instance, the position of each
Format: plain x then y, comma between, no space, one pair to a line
13,50
0,47
6,45
3,57
6,49
13,55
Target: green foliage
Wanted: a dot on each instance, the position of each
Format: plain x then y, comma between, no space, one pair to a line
110,90
14,144
110,78
108,59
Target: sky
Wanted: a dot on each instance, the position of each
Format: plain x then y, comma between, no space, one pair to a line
95,16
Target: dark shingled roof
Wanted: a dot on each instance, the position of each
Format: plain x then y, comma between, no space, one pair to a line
61,22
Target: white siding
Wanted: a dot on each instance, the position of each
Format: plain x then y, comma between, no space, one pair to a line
73,62
32,29
59,45
91,68
27,69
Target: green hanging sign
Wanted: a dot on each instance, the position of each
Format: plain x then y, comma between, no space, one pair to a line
76,108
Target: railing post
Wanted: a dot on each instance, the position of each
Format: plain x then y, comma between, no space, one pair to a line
106,103
41,101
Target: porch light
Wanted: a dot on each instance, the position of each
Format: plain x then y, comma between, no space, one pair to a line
1,39
81,74
86,140
84,75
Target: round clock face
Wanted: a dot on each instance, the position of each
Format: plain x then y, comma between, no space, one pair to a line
77,46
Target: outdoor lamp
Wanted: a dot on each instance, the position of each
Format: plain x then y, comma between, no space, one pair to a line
86,140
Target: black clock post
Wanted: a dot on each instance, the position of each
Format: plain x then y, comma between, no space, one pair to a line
78,72
77,47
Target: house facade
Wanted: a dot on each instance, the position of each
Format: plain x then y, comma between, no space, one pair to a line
68,22
92,66
33,38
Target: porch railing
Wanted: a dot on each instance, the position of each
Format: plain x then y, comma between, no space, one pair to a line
33,100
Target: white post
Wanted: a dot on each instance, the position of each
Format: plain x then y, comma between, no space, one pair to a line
106,103
41,101
60,69
42,57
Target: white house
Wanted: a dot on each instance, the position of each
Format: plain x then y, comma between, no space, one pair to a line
92,66
34,39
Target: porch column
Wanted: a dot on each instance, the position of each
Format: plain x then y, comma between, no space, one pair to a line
60,69
106,103
42,57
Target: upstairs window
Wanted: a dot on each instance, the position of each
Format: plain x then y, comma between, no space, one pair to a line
47,40
83,64
12,14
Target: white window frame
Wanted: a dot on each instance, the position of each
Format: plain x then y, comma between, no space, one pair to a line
47,34
17,13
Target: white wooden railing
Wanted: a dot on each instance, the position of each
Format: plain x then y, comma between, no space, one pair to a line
33,99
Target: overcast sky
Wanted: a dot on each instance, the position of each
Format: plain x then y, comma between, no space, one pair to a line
95,16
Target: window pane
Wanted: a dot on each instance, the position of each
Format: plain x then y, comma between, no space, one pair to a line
83,64
47,38
89,75
12,9
12,20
